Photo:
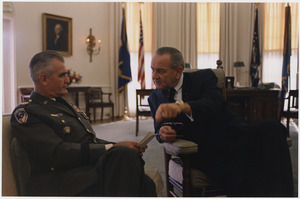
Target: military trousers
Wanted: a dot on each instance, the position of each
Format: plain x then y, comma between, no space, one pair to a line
121,174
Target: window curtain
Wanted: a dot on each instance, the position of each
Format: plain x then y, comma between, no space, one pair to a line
188,30
115,32
208,34
181,35
228,35
274,15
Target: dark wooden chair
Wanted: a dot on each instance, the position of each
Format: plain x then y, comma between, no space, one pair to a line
292,109
25,94
95,98
142,106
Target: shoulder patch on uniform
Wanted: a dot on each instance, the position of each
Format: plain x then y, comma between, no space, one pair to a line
21,115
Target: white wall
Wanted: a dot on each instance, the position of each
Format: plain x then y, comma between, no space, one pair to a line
28,29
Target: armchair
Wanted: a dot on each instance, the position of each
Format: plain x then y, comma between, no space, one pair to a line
180,177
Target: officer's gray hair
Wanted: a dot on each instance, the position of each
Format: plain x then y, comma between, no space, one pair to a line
42,62
175,55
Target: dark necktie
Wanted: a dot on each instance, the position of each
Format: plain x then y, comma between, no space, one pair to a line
171,95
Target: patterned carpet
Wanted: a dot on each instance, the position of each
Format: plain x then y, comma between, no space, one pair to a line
154,158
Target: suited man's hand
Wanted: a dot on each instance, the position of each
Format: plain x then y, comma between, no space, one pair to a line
170,110
167,134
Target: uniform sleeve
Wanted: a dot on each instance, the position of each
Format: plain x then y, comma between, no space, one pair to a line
43,144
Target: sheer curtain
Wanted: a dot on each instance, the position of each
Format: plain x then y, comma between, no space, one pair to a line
208,34
133,33
175,26
187,26
274,14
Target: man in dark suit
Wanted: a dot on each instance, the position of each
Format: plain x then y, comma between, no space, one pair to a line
66,157
245,160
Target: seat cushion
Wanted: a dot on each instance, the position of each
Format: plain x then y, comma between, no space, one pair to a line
199,179
180,147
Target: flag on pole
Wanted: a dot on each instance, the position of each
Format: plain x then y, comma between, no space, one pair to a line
255,57
141,67
286,50
124,59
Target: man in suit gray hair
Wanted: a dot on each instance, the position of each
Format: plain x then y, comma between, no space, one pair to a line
66,157
245,160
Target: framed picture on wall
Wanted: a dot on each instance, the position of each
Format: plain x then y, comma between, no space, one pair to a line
57,34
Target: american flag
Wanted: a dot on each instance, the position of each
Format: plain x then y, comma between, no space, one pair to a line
141,69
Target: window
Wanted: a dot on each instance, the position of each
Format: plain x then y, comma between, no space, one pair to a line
133,32
208,34
274,16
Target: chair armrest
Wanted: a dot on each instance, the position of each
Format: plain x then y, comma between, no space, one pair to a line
108,94
180,147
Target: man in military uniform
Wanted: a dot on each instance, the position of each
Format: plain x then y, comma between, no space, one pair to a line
66,158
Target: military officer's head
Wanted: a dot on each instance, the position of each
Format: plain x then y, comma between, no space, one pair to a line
49,74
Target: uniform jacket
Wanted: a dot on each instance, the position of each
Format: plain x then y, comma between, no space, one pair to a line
61,144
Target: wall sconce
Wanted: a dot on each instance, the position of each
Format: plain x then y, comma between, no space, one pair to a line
93,47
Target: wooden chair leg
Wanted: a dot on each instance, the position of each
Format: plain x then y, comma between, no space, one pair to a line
94,109
112,113
168,184
186,173
137,125
288,126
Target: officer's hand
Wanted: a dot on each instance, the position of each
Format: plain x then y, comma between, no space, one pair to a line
167,134
170,110
133,145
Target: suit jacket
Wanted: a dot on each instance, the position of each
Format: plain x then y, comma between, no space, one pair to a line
200,91
214,127
61,145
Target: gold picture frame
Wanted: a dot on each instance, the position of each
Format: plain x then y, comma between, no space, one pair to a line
57,34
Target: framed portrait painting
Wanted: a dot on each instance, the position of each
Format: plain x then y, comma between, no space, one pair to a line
57,34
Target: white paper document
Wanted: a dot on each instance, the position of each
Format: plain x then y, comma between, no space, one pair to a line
147,139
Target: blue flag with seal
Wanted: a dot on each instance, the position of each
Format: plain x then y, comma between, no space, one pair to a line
124,71
255,58
286,50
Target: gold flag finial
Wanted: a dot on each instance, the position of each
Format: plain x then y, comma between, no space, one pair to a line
256,4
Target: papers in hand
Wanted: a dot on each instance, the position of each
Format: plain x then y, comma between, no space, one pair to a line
147,139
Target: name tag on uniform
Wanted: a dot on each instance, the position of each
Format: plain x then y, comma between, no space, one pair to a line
57,115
